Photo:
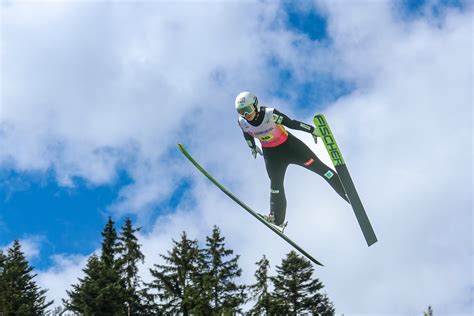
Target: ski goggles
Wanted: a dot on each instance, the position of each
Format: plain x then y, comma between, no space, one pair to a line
246,110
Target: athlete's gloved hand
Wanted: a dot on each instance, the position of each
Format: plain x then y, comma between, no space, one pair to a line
256,150
315,136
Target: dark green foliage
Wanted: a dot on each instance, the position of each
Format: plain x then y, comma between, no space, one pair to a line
226,296
199,281
3,284
190,281
109,245
84,296
175,280
19,294
130,255
103,289
260,291
295,290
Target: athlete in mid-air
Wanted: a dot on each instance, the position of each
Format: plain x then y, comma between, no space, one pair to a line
280,149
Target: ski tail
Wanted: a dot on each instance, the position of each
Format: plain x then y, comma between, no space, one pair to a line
245,207
323,131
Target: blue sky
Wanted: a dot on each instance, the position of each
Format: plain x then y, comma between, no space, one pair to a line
95,96
69,219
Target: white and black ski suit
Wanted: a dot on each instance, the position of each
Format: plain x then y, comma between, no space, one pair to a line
280,149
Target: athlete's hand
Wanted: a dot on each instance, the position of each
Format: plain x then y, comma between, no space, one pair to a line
315,136
256,150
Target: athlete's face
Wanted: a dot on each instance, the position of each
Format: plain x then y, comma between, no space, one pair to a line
251,116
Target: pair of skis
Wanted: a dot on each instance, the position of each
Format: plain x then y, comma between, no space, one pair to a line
323,131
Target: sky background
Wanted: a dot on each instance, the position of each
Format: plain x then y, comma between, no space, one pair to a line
95,95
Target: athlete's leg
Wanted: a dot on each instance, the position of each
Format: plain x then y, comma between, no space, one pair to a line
305,157
276,172
277,197
316,165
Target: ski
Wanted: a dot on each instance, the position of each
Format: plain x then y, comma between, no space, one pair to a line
323,131
247,208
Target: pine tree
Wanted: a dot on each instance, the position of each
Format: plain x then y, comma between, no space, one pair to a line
295,290
109,245
260,290
226,295
429,312
102,291
201,292
84,298
3,284
131,254
130,257
19,294
113,294
174,280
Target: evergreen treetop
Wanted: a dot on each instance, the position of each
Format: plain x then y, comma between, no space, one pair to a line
295,289
260,291
174,280
19,293
226,295
103,289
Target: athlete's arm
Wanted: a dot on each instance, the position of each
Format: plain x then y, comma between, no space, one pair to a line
281,118
253,148
251,143
249,139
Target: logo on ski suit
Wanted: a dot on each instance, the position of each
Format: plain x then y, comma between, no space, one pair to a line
269,133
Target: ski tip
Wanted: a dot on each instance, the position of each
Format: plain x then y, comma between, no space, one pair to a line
371,242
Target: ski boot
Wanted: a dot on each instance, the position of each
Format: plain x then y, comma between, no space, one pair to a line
270,219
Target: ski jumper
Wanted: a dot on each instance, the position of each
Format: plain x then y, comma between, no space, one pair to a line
280,149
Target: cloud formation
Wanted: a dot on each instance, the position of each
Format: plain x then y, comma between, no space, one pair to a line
94,88
30,246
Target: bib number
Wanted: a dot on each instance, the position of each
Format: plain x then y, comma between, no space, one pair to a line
266,138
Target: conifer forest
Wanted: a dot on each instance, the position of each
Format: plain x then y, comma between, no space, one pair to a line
192,278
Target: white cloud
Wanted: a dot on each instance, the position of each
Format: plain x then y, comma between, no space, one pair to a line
64,272
86,96
98,97
30,245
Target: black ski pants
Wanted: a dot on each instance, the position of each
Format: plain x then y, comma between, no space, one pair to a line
277,160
